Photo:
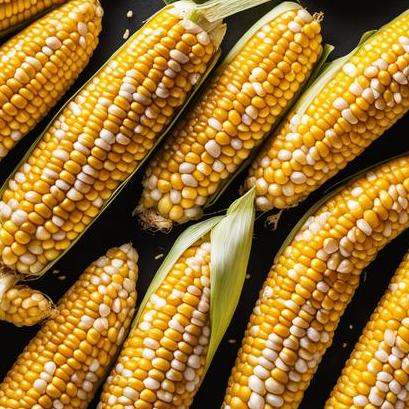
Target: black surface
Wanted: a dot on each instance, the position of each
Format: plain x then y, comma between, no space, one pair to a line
344,23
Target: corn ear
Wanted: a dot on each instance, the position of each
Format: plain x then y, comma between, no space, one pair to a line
65,362
314,277
377,373
52,52
21,305
184,314
253,87
16,13
102,136
350,105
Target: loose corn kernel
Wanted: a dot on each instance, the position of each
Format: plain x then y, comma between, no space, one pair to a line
230,120
163,359
309,287
351,110
382,351
70,355
99,139
55,49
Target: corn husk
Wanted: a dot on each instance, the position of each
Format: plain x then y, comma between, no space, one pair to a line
219,9
231,237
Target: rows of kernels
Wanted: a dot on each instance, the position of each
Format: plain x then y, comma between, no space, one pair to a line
367,96
163,359
38,65
15,12
311,284
97,142
377,373
62,366
240,107
21,305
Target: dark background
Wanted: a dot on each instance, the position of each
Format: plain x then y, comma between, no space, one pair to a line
344,23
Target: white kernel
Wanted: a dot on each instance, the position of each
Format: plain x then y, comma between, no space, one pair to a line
53,42
340,104
294,27
213,148
350,69
179,56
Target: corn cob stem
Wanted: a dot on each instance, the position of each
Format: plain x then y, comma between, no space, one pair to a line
64,364
242,104
349,106
53,51
184,315
312,281
14,13
21,305
377,373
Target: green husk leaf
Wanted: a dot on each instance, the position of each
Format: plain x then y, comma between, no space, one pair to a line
190,236
212,64
329,194
215,10
231,237
327,50
231,241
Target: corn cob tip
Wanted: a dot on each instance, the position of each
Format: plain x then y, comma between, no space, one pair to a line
149,219
318,16
130,251
21,305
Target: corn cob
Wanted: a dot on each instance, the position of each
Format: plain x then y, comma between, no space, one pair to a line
312,281
16,12
181,321
101,136
52,53
252,88
377,374
348,107
23,306
63,365
165,354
